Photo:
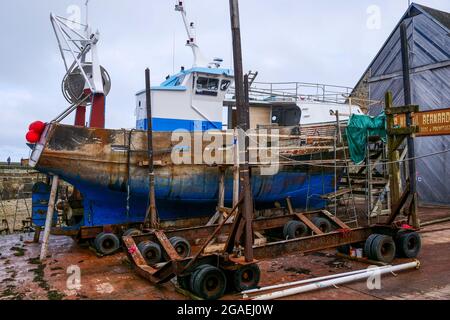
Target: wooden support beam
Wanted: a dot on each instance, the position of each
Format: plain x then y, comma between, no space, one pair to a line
242,105
393,155
49,219
404,131
401,110
309,224
151,216
335,219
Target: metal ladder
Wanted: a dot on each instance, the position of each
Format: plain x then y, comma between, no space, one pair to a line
343,191
252,77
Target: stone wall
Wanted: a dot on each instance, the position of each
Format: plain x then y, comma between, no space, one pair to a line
17,180
360,94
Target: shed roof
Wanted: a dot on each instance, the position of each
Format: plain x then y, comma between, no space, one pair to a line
441,16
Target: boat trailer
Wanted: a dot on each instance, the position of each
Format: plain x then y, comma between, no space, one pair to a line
210,275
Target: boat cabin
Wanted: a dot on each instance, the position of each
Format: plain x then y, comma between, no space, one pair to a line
190,100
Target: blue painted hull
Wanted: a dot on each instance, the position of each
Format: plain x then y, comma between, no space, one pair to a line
83,158
111,207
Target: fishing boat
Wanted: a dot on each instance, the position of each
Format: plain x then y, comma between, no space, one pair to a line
109,168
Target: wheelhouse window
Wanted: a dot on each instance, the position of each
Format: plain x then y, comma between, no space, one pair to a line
207,86
224,85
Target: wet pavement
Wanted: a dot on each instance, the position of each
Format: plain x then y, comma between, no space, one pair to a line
23,277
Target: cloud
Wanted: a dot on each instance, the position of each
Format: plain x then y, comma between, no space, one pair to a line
285,40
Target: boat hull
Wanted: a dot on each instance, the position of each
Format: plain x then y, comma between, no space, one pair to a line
113,178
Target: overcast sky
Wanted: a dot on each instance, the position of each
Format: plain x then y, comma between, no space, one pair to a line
321,41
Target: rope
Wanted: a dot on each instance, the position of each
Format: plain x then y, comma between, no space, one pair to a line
359,165
362,165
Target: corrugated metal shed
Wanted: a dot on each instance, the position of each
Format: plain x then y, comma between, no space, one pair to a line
429,42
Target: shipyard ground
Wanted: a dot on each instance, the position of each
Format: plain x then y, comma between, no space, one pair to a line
23,277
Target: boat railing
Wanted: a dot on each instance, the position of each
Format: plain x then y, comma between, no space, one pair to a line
298,91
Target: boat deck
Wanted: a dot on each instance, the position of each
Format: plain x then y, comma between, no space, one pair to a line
22,277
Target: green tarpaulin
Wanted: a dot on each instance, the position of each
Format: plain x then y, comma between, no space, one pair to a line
358,129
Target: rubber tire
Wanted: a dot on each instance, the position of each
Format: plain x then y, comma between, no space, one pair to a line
323,224
404,248
239,274
194,274
107,243
379,245
201,278
368,245
294,230
182,246
146,247
133,232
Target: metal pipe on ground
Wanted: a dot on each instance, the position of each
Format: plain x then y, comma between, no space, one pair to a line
430,223
291,284
338,281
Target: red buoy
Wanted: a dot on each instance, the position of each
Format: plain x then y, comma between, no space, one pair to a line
37,126
32,136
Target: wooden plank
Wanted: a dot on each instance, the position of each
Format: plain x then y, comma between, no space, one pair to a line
335,219
214,219
393,155
401,110
309,223
337,194
403,131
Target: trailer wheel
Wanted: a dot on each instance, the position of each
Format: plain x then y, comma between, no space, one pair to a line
246,278
409,244
133,232
209,283
107,243
323,224
294,230
182,246
383,249
368,246
151,252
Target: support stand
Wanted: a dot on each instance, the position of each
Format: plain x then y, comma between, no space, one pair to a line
49,219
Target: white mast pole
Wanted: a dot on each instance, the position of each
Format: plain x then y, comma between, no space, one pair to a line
199,59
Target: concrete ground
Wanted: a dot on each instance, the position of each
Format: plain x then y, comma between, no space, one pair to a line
23,277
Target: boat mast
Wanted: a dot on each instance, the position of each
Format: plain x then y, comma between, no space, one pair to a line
85,82
199,59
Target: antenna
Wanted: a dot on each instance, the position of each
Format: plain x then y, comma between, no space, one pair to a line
199,59
87,13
